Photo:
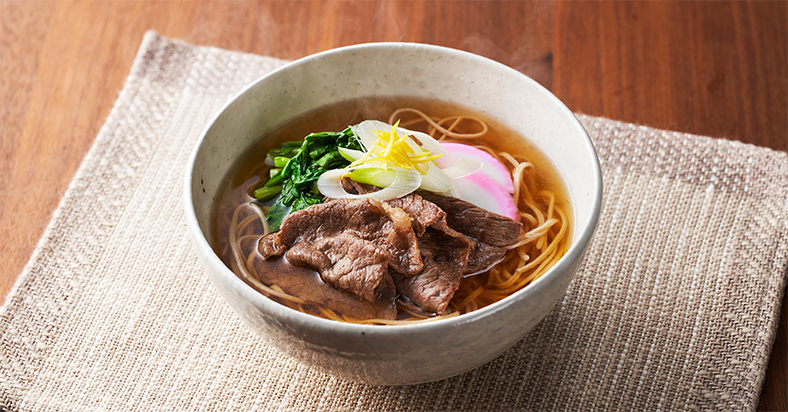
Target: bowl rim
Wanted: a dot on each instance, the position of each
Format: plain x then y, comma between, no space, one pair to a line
319,324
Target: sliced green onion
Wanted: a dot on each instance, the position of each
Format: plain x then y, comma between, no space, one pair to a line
350,155
374,176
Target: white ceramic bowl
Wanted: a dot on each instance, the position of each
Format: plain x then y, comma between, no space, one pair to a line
402,354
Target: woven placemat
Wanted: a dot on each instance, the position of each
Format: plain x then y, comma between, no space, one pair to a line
675,306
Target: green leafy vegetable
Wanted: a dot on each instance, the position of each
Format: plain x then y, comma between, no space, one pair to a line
301,165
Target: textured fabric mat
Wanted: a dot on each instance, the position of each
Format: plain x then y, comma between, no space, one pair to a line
675,306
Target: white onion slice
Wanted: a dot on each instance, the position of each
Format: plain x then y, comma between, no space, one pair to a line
406,181
435,180
365,131
427,141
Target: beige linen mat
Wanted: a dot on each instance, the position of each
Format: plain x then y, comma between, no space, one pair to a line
675,306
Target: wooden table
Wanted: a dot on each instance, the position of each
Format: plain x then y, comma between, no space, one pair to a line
711,68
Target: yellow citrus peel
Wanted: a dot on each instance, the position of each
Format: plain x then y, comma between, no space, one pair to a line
393,149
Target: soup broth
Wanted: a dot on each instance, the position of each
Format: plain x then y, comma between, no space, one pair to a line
237,216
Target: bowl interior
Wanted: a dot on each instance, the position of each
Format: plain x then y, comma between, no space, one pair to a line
401,69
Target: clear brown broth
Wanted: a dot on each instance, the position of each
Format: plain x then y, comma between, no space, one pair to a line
249,168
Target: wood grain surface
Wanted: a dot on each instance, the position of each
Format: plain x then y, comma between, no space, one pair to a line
711,68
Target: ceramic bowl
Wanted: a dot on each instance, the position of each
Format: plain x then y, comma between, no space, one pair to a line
401,354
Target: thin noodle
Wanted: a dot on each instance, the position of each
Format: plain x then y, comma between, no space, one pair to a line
454,124
470,298
407,309
394,116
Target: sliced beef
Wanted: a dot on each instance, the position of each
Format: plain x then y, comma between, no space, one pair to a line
483,256
489,233
445,254
387,228
422,212
307,285
476,222
345,261
418,246
271,246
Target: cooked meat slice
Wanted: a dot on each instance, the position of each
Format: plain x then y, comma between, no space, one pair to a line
345,261
422,212
385,302
271,246
305,256
307,285
476,222
386,227
445,254
483,256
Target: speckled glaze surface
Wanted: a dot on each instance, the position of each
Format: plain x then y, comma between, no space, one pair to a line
403,354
